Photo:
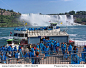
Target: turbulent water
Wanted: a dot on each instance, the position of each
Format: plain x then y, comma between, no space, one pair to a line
75,33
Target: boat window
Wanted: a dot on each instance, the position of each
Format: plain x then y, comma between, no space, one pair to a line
15,34
25,35
21,35
9,42
18,35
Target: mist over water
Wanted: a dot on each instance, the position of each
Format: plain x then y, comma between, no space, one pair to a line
45,20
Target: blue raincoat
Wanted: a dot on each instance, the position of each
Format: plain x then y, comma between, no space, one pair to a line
26,55
58,44
3,58
5,48
63,48
52,43
83,53
47,52
19,47
66,55
75,59
37,46
40,45
32,59
44,40
15,49
9,48
70,49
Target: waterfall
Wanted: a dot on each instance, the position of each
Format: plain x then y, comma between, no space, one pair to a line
45,20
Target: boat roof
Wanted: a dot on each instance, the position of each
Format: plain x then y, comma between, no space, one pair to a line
10,39
37,28
53,23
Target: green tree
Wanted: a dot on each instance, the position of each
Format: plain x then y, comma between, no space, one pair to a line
78,20
72,12
11,11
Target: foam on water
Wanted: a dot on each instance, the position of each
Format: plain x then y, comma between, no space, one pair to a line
72,34
6,37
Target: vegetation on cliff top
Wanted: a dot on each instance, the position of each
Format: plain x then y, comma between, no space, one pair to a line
9,18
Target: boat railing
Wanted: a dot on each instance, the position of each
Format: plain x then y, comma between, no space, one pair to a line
46,33
73,58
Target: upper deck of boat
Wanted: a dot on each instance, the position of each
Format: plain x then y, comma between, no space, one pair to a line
42,31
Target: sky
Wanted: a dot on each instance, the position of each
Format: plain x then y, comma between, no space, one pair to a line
43,6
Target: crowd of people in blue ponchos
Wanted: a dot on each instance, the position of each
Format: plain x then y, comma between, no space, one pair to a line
47,47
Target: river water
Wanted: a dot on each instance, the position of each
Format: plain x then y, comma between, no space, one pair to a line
75,33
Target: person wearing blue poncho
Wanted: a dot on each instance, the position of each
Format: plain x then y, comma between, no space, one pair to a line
70,48
84,48
84,54
19,47
52,43
47,51
32,49
15,49
63,48
75,59
17,55
37,49
54,47
2,48
6,48
57,48
41,46
53,40
37,46
9,48
75,49
58,44
26,55
66,55
44,48
21,54
50,40
12,51
49,44
51,49
44,40
3,58
32,55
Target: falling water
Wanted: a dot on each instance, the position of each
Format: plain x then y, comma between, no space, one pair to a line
45,20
